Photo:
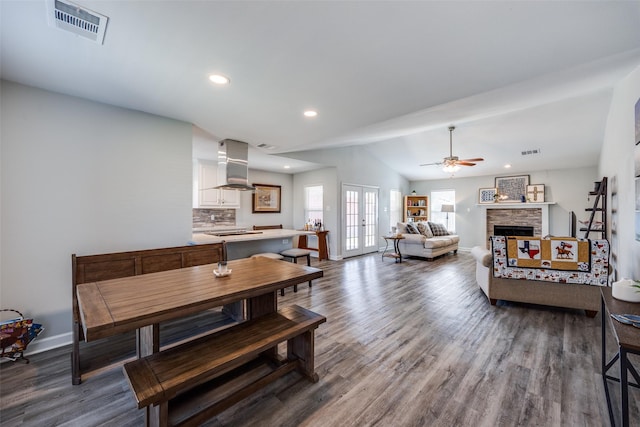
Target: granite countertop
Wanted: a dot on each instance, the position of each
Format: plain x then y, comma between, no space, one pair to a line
202,237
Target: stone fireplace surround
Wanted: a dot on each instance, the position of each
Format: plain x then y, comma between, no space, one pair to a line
535,215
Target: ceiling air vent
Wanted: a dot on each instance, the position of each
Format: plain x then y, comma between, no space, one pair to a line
77,20
530,152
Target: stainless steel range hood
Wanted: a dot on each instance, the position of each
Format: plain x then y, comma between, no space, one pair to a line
233,165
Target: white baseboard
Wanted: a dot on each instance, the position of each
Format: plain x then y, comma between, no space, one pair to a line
43,344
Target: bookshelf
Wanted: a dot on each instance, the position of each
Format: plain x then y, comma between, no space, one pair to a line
416,208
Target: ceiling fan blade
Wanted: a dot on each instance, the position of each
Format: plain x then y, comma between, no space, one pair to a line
452,160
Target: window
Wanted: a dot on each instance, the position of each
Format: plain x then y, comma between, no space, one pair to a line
395,207
313,204
439,198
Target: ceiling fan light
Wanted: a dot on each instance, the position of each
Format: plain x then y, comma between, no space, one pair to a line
451,168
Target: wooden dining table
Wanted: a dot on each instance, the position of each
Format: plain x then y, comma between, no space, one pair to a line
140,303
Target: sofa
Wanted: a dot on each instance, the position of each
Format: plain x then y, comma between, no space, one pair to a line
426,239
541,286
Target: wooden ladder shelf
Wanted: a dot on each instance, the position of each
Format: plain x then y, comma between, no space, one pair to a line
599,206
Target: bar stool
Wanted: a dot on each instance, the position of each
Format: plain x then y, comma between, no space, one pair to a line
294,254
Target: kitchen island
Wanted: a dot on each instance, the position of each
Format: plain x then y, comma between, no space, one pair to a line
244,244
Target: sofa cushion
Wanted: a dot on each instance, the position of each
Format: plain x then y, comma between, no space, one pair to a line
438,229
412,229
440,241
401,227
424,229
413,239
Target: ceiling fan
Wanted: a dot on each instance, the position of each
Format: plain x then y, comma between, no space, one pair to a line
453,163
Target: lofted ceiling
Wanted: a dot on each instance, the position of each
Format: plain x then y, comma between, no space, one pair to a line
391,76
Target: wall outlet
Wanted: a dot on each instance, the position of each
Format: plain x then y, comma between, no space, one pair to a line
285,241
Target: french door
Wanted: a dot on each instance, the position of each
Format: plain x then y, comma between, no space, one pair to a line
359,220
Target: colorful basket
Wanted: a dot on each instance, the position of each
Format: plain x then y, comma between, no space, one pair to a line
16,334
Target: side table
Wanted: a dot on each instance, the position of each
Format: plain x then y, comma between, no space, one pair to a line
396,248
628,340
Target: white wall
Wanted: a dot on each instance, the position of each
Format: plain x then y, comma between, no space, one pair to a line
616,162
244,215
82,177
567,187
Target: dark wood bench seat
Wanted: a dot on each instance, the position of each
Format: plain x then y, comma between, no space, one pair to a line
234,362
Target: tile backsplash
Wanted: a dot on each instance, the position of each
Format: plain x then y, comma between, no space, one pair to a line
221,217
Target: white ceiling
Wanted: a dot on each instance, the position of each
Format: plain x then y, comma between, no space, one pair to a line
388,75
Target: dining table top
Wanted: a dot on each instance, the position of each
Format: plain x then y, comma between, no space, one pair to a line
114,306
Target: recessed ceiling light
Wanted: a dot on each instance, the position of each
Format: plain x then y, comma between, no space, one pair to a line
310,113
287,167
219,79
507,166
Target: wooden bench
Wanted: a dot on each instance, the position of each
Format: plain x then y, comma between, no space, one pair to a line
93,268
193,382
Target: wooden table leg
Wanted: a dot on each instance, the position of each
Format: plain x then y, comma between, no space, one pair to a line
147,343
259,306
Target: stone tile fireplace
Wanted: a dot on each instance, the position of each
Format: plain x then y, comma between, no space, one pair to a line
534,215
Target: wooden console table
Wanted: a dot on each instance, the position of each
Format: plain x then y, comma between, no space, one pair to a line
628,340
323,249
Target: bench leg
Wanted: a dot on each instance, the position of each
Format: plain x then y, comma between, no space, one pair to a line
157,415
76,375
302,347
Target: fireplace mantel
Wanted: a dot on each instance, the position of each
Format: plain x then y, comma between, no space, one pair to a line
516,205
543,207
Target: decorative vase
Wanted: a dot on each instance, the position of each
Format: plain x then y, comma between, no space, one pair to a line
625,290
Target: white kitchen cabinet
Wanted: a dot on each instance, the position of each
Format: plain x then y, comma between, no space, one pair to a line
209,197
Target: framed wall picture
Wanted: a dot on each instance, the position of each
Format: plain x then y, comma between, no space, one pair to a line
512,188
266,198
486,195
535,193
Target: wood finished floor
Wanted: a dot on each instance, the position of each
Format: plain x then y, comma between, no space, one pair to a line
410,344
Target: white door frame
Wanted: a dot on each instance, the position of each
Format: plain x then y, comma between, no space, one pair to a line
359,228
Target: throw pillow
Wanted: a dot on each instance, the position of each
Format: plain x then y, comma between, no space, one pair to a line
401,228
424,229
438,229
412,229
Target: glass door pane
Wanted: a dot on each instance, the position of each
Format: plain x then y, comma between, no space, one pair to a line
352,223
